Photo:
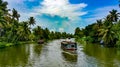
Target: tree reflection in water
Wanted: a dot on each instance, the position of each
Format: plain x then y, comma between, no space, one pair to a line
70,57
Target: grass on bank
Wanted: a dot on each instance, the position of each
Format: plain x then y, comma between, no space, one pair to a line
6,44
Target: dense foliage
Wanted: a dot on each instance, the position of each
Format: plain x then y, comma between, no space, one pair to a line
105,31
14,31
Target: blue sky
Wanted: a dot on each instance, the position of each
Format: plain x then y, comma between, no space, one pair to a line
63,15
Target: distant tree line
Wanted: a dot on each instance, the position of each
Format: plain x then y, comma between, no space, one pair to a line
41,33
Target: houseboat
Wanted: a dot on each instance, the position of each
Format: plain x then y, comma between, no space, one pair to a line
68,45
40,41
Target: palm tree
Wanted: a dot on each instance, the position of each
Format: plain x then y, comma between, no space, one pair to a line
15,14
113,16
38,32
99,23
3,12
46,33
107,33
108,36
77,31
31,21
3,7
23,31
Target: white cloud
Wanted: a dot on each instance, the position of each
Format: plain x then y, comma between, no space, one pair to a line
61,29
52,30
14,1
21,7
61,8
18,1
99,13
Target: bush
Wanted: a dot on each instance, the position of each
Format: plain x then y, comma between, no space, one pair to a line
5,44
89,39
118,44
2,44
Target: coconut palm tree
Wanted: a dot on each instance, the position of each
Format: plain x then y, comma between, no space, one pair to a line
108,36
15,14
113,15
23,31
99,23
31,21
3,12
38,32
77,31
3,7
108,33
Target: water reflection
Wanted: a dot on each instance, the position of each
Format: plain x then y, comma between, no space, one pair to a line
19,56
106,57
37,49
70,57
51,55
13,56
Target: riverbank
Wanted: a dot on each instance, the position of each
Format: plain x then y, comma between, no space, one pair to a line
85,41
81,40
6,44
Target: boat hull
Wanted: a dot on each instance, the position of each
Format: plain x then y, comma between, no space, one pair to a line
40,41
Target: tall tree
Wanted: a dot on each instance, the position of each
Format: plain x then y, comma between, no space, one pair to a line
31,21
38,32
23,31
3,7
46,33
99,23
108,36
77,31
3,12
113,16
15,14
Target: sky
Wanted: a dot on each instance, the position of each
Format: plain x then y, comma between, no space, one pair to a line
63,15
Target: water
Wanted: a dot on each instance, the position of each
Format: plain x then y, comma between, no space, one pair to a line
51,55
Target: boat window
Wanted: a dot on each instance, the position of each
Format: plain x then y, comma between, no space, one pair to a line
72,46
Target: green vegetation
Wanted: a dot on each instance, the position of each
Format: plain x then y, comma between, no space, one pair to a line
40,33
12,31
105,31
